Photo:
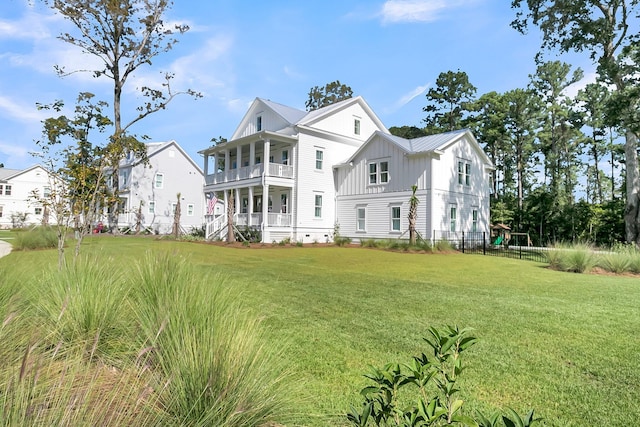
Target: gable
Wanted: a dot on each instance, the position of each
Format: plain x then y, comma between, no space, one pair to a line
267,115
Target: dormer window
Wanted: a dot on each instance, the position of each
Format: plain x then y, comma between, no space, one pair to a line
356,126
258,123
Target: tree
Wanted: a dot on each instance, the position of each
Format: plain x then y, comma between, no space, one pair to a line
231,235
124,35
413,214
603,29
176,218
329,94
448,102
407,132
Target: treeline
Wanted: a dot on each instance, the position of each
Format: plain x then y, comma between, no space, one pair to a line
558,161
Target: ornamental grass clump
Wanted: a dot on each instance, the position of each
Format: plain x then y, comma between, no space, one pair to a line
35,238
207,353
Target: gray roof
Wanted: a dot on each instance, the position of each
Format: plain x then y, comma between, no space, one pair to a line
290,114
426,143
6,173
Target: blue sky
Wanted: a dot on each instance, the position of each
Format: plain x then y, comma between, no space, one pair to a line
390,52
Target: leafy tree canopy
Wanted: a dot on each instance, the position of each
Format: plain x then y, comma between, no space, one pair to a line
329,94
448,101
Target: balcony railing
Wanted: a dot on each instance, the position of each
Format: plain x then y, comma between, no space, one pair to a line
247,172
279,220
255,220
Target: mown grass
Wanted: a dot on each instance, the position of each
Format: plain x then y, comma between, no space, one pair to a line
561,343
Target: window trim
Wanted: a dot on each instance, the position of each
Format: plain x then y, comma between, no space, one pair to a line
362,228
155,180
151,208
319,159
378,176
258,122
8,190
191,208
356,126
453,217
474,220
317,214
464,172
393,218
373,173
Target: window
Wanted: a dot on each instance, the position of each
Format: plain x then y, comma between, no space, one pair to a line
38,211
258,123
124,179
0,211
7,190
285,157
319,156
361,216
373,173
46,192
152,207
190,209
258,160
122,205
378,173
464,173
452,218
395,218
384,172
318,205
1,189
174,205
159,180
245,205
283,203
356,126
474,218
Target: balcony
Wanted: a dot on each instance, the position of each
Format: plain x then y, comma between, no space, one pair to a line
277,170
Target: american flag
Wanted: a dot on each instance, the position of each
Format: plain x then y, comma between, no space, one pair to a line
211,203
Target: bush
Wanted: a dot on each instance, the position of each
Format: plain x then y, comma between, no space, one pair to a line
430,383
341,241
36,238
443,246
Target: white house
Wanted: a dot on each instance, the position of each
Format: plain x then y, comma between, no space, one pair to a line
296,175
150,190
451,173
16,194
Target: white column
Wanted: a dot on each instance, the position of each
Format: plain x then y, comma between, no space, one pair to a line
206,165
267,154
250,206
252,153
238,201
265,211
227,163
238,161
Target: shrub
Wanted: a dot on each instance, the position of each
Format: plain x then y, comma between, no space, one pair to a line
615,262
430,383
36,238
580,259
199,231
341,240
443,246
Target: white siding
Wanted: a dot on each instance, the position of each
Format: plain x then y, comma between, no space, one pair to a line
271,121
342,123
21,200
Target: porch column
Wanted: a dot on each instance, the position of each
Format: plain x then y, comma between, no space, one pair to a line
250,206
227,163
206,165
252,153
265,211
267,154
238,201
238,160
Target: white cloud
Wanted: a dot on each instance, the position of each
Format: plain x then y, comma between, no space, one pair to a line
16,153
394,11
572,90
21,113
407,98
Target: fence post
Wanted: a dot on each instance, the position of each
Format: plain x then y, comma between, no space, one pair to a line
463,242
484,243
520,247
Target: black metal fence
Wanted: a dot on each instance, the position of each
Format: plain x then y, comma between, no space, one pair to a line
469,242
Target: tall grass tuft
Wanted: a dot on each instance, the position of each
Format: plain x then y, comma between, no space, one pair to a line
35,238
575,258
207,353
83,307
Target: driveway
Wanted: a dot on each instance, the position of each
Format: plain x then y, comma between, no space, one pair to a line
5,248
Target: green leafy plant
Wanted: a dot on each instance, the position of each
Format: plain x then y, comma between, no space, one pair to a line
431,382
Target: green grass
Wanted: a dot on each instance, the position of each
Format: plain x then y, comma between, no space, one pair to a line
564,344
6,235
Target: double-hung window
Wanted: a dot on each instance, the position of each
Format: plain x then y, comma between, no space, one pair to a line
7,190
464,173
319,159
318,206
378,173
356,126
152,207
395,218
361,216
1,189
159,180
285,157
474,220
190,209
258,123
452,217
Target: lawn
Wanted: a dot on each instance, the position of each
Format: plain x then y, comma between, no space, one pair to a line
6,235
564,344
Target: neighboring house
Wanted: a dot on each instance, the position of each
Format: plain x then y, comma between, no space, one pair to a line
148,192
17,188
302,175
